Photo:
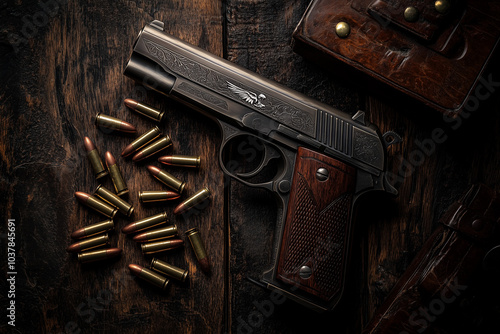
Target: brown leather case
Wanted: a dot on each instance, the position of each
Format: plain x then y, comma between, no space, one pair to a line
438,59
444,268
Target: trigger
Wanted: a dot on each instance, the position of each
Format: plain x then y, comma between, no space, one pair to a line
269,154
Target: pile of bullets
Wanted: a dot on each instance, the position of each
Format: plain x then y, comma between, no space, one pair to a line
155,235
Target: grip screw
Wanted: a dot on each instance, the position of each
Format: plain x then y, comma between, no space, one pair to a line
322,174
305,272
284,186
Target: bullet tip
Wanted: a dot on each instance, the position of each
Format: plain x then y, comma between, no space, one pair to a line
73,248
81,196
205,265
153,170
130,103
89,145
134,268
178,209
113,251
110,159
137,157
128,228
165,159
127,127
127,151
139,237
78,234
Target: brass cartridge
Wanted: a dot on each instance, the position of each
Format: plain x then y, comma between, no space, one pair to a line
98,255
153,148
94,158
112,123
111,198
181,160
84,244
169,270
161,246
199,248
145,223
144,109
149,276
116,175
93,229
167,179
157,196
157,234
96,204
142,141
194,200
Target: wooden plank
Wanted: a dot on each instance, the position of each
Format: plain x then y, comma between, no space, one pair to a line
70,69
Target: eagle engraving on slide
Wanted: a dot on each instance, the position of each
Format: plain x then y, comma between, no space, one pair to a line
247,96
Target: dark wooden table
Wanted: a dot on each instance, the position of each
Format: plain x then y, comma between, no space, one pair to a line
62,62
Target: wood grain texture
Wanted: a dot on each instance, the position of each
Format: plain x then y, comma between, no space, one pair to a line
318,225
57,76
71,69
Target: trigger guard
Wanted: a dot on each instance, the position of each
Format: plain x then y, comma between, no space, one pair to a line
229,132
269,154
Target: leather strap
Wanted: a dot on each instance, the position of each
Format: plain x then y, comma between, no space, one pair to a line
428,20
476,215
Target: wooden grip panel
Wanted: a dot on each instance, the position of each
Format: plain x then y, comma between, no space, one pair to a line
314,247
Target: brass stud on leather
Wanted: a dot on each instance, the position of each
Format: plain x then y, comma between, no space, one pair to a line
442,6
343,29
411,14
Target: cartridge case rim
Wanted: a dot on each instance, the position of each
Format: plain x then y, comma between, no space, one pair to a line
123,192
191,231
160,116
181,188
96,120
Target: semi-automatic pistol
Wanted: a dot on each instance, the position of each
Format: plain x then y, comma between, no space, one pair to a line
317,160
